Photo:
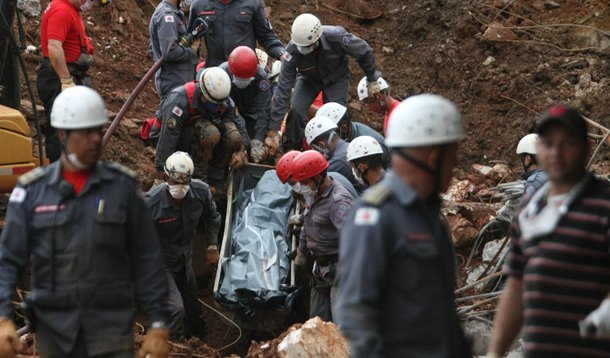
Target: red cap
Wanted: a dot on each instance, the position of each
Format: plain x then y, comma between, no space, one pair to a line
308,164
243,62
284,165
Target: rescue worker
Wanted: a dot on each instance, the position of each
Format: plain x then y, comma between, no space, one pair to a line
558,289
91,242
167,26
321,135
197,117
328,204
284,173
381,103
365,153
250,90
234,23
397,264
534,176
317,59
177,206
67,55
348,130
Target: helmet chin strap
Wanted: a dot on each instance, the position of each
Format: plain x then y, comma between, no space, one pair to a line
435,173
72,158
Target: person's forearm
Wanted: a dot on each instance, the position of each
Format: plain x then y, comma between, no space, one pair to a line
509,317
58,59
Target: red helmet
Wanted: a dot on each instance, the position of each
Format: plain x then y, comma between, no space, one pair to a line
243,62
284,165
308,164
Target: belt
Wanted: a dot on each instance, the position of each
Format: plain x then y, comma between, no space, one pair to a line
324,260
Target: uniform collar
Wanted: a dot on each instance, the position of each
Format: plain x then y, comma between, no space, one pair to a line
98,173
403,192
329,189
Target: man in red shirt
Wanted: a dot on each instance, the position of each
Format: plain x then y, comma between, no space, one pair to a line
382,103
67,55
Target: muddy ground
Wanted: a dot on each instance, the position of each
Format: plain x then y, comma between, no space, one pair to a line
501,61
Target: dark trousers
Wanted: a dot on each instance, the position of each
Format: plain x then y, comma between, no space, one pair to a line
49,349
49,87
185,319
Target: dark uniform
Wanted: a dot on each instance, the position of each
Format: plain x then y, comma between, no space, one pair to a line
320,237
93,256
196,129
325,69
238,23
534,180
338,163
253,103
397,277
176,227
166,27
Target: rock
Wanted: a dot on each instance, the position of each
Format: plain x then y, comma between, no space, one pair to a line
584,81
480,333
489,60
550,4
28,111
500,171
498,32
314,339
459,191
387,50
474,275
463,232
491,248
31,8
483,170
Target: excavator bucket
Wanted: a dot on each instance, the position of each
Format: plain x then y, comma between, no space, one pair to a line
16,156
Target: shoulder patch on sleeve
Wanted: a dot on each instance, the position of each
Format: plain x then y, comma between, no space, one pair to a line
18,195
122,169
377,195
342,210
264,85
177,111
287,57
345,40
31,176
366,216
169,18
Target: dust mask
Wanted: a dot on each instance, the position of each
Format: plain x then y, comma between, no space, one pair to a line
178,191
357,175
242,83
306,50
88,5
296,188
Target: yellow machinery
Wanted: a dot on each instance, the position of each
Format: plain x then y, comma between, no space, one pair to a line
16,156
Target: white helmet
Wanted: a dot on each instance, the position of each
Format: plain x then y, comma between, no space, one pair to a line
275,69
332,110
179,167
318,126
262,58
363,146
306,30
527,144
363,92
423,120
215,84
78,107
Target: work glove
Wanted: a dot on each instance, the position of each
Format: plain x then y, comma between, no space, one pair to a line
9,342
295,219
67,83
155,344
239,159
272,142
597,323
372,88
257,150
300,260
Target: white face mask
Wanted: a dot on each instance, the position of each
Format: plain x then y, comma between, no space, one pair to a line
88,5
306,50
357,176
73,159
296,188
178,191
242,83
